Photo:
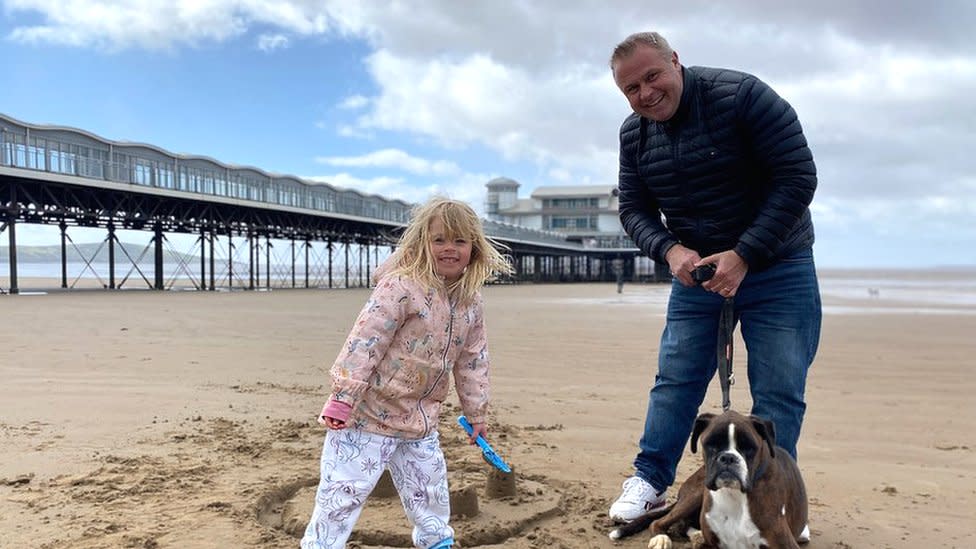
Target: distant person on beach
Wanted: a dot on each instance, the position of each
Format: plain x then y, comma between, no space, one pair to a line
715,170
617,265
423,321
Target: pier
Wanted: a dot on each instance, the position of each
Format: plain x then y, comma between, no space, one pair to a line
248,229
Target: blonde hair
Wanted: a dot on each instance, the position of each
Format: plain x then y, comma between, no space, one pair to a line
413,258
636,40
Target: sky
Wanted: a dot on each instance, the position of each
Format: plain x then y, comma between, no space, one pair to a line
409,98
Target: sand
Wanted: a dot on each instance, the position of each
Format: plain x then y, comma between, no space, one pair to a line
185,419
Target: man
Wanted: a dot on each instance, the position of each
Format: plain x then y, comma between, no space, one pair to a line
617,266
715,170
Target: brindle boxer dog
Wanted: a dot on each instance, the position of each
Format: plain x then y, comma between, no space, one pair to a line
749,493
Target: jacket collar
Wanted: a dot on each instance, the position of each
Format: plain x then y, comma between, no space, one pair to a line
684,105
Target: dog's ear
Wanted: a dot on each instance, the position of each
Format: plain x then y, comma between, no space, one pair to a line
766,430
700,423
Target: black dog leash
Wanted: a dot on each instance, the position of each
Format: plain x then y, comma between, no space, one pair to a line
726,327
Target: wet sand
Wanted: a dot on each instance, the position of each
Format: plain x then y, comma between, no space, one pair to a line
186,419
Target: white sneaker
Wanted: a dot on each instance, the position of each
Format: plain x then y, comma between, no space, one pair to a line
638,498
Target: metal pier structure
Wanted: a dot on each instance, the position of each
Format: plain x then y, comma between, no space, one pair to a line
250,229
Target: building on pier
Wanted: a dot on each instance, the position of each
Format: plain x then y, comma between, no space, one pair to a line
253,229
584,214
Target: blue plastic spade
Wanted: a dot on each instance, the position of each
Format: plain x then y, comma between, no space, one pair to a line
486,450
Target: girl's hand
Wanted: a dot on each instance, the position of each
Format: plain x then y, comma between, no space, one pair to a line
478,429
333,423
334,414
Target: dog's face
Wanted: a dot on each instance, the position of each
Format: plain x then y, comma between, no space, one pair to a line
731,444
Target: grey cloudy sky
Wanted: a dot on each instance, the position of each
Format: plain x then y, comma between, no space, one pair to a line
885,92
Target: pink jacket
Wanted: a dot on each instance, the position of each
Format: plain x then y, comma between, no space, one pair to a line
393,370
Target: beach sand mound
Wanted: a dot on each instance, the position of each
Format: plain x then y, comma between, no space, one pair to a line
488,507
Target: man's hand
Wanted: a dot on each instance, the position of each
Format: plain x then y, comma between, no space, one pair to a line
730,269
682,261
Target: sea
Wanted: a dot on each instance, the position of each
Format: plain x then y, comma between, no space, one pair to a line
177,276
950,290
928,291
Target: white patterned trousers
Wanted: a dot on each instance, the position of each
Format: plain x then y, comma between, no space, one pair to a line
351,465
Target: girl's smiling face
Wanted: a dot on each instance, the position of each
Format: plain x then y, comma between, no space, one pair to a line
451,253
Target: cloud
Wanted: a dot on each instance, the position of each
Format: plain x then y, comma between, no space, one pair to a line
353,131
272,42
375,185
108,25
567,119
464,187
354,102
153,25
883,88
393,158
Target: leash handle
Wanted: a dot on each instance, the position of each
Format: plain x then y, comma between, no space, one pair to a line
726,329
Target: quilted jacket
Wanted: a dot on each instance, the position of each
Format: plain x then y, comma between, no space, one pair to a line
730,170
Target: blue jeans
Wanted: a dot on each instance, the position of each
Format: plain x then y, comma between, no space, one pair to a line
779,315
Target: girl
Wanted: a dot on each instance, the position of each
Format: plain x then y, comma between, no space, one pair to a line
423,320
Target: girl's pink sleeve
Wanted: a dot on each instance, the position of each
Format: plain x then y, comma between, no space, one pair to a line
335,409
368,341
471,369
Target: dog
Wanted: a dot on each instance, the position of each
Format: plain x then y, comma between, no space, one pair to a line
748,494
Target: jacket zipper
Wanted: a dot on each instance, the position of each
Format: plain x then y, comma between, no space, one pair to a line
433,385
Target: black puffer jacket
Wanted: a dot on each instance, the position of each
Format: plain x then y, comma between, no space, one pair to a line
730,170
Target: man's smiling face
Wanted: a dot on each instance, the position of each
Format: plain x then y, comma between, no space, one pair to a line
651,81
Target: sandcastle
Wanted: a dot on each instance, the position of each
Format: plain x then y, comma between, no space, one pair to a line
487,505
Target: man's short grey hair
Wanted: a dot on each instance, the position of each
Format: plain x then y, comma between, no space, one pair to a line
632,42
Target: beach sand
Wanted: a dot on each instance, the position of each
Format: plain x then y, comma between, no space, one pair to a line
186,419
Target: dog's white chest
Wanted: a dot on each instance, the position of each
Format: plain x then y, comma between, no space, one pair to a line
729,520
